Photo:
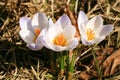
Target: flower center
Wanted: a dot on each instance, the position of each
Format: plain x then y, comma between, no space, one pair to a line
60,40
37,31
90,34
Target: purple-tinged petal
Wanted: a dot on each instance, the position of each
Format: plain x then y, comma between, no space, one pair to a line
63,21
34,47
97,40
95,23
82,30
106,30
39,21
82,18
27,36
45,39
54,30
84,41
72,44
71,30
25,23
50,22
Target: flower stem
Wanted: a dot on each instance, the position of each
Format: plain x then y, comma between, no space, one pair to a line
70,64
62,64
96,64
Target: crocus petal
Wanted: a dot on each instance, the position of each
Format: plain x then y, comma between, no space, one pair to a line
70,30
82,30
106,30
56,48
91,42
72,44
95,23
34,47
68,47
84,41
54,30
97,40
25,23
39,21
27,36
63,21
82,18
50,22
37,45
45,39
38,40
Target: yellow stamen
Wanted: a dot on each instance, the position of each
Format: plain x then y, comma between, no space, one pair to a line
37,31
90,34
60,40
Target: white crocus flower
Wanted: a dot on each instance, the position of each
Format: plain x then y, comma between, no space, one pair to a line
60,36
31,29
92,31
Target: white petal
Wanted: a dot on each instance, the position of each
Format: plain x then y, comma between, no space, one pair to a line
57,48
106,30
45,39
54,30
72,44
34,47
84,41
27,36
69,32
95,23
97,40
63,21
82,18
38,40
40,21
50,22
25,23
82,30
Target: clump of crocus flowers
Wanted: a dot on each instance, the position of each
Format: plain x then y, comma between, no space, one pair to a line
60,36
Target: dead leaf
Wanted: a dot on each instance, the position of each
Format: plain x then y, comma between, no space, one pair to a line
105,51
116,64
84,76
111,64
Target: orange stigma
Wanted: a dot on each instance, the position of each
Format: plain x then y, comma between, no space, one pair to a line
37,31
90,34
60,40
